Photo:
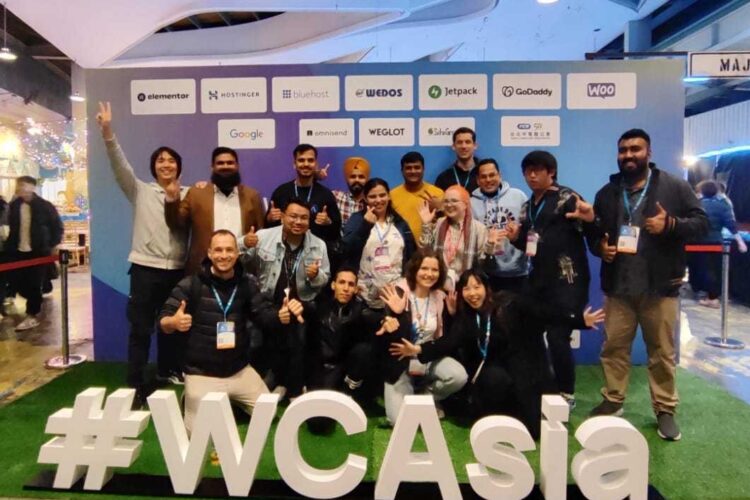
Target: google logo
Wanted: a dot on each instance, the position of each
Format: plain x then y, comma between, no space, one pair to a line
245,134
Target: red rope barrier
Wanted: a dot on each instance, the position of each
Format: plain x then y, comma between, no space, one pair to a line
704,248
19,264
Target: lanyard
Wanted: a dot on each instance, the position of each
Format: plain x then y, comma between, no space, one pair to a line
290,274
421,319
468,177
483,348
533,218
382,236
309,193
224,309
626,201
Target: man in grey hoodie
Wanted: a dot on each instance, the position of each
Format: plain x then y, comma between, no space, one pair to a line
495,204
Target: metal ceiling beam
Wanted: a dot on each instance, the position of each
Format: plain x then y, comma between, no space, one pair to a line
225,18
195,22
634,5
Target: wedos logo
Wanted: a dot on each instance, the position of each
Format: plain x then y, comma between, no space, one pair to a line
379,92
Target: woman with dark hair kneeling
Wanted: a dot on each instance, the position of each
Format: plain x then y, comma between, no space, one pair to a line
501,346
415,316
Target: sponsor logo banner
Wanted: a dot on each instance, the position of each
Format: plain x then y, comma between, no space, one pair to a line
439,131
719,64
337,132
162,97
466,91
234,95
526,91
602,91
530,131
248,134
386,132
379,93
305,93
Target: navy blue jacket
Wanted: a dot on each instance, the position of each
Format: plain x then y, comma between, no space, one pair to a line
357,230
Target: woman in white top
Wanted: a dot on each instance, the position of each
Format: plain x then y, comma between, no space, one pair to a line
461,241
415,308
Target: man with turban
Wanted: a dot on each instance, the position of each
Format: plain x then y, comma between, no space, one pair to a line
356,174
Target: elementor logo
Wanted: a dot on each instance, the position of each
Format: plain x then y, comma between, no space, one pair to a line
526,91
602,90
379,92
530,131
386,132
234,95
438,131
335,132
162,97
247,134
459,91
309,93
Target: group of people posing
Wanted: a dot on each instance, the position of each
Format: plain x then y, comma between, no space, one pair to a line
465,289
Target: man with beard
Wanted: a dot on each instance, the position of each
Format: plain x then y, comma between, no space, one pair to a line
356,174
292,265
223,203
408,197
646,216
463,171
325,220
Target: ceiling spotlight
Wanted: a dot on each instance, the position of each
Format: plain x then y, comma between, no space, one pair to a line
546,1
5,53
77,97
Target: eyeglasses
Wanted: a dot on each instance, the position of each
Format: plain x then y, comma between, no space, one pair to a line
451,202
301,218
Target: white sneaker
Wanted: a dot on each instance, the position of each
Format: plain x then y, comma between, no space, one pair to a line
280,390
28,323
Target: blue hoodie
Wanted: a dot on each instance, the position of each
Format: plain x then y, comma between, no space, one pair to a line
498,210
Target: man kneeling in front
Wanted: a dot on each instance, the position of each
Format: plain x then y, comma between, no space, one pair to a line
212,307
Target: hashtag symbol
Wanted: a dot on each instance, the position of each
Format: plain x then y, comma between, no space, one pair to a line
91,439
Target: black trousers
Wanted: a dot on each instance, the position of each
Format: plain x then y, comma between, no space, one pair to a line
149,289
356,365
27,281
511,284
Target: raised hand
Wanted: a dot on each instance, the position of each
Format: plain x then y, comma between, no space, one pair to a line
593,318
434,202
451,298
322,219
104,119
370,215
608,251
657,223
251,239
426,213
584,211
172,191
311,271
405,349
296,308
512,230
284,315
181,320
274,214
390,297
322,174
389,325
200,184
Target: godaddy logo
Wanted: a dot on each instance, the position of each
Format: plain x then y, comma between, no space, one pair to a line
435,91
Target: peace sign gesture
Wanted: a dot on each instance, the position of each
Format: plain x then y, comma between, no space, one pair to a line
104,119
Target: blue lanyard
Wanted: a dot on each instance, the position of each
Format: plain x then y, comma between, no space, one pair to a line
533,218
626,201
291,274
224,309
468,177
422,324
309,193
382,236
483,348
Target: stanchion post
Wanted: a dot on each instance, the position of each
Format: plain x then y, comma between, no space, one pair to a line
724,341
64,261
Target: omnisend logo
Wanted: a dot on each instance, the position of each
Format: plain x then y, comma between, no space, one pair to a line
386,132
379,93
460,91
334,132
602,90
247,134
305,93
162,97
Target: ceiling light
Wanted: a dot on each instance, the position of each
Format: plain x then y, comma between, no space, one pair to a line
5,53
546,1
77,97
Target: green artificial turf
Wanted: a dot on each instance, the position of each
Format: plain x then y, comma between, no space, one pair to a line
711,461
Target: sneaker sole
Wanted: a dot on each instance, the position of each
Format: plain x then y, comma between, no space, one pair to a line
618,413
665,438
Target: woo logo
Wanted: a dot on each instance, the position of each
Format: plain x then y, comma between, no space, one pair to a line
379,93
508,91
246,134
601,89
388,132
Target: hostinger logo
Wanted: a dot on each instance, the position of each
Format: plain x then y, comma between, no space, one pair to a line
213,95
435,91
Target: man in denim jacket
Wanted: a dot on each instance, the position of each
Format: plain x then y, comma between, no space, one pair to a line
292,265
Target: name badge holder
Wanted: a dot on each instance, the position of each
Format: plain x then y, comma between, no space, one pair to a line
416,367
627,240
382,260
225,332
532,237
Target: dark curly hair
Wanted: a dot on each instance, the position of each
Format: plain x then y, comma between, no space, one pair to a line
411,268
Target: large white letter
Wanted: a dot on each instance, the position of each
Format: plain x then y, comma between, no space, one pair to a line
298,474
553,458
614,461
514,477
185,458
400,464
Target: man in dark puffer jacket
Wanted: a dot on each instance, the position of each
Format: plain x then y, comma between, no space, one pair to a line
212,308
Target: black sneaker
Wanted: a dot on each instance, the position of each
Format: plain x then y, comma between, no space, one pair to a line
667,427
607,408
176,378
139,401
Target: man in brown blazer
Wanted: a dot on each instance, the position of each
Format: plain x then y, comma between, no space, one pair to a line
223,203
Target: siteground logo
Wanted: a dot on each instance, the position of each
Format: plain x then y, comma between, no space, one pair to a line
162,97
603,90
438,131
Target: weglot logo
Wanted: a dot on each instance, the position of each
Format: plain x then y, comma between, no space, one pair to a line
601,89
388,132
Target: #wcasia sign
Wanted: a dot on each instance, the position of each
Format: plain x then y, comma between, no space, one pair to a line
94,439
